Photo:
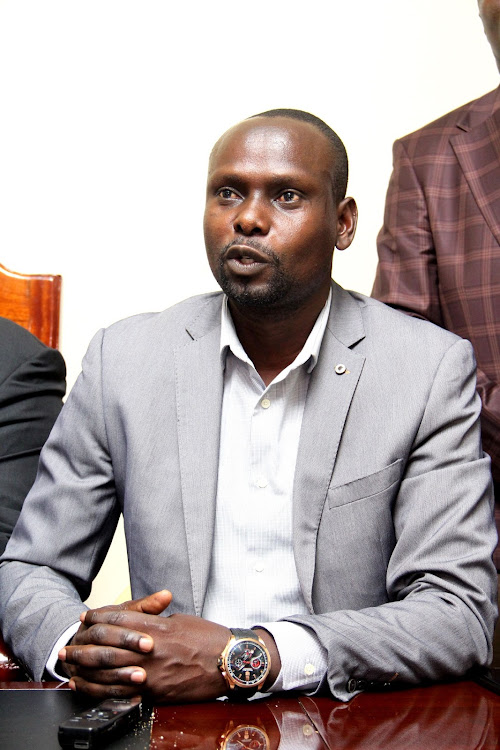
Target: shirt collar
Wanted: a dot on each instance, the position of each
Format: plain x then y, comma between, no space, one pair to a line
310,351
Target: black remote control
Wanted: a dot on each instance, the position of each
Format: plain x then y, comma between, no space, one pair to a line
101,724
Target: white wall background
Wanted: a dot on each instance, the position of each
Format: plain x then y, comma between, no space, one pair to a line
109,108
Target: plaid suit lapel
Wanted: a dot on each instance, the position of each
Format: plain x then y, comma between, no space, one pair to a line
477,148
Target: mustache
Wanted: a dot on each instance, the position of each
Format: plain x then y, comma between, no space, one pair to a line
254,244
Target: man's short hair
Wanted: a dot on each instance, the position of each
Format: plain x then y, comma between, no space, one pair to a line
340,170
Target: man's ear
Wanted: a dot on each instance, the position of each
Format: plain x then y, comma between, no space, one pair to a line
347,221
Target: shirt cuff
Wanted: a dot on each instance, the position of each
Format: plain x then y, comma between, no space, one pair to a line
54,654
303,658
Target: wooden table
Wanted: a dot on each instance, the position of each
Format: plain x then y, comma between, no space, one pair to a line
458,716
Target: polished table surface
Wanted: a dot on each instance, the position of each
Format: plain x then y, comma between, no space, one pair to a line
448,717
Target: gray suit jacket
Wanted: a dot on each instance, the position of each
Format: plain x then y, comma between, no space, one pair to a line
392,503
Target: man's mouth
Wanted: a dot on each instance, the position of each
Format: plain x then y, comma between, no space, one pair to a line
246,255
244,260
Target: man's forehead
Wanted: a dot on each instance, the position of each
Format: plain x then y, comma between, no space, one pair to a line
281,137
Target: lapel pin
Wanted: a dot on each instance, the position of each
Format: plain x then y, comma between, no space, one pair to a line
341,369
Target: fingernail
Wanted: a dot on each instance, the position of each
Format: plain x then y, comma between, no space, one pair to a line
71,685
62,654
146,644
138,676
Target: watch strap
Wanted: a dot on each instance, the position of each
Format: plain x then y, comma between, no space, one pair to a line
244,633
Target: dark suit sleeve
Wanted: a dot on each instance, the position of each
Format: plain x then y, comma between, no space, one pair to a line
490,421
30,401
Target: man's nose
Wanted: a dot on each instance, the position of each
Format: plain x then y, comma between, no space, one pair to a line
252,218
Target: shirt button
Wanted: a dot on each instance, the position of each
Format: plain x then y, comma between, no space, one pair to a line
259,566
265,403
309,669
262,482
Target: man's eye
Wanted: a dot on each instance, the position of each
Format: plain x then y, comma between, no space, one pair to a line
226,193
289,196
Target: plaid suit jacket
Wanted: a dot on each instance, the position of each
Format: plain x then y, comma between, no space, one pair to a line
439,248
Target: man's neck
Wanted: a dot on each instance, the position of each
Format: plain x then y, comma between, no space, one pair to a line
273,342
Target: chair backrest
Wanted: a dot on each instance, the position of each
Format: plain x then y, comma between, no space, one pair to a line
33,301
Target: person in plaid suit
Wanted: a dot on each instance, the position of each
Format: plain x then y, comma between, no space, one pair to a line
439,252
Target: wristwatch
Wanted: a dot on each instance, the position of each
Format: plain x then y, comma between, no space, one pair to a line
245,663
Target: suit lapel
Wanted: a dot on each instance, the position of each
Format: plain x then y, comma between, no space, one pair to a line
199,385
477,148
328,399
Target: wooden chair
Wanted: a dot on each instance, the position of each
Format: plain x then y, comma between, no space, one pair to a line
33,301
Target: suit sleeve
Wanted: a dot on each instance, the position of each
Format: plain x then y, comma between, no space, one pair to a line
406,275
490,420
30,401
440,581
44,577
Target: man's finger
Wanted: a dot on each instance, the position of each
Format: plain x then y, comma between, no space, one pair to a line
95,657
102,691
153,604
120,676
110,634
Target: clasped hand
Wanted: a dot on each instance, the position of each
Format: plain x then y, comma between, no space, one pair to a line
128,649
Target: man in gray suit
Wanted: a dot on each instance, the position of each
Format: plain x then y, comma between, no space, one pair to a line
294,460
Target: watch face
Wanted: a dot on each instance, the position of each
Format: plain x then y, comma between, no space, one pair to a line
249,737
247,663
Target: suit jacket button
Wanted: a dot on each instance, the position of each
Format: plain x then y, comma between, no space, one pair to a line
352,685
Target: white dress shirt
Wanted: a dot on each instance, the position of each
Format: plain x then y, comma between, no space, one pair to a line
253,577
